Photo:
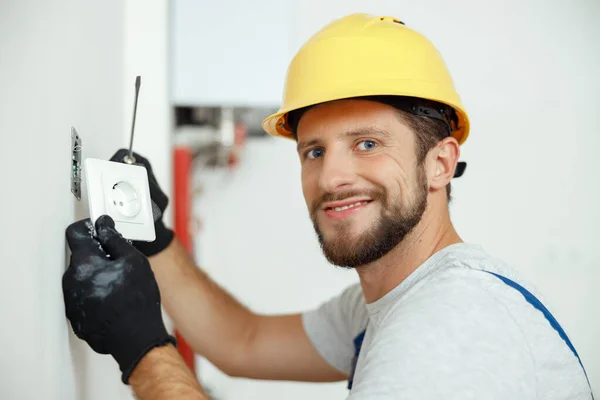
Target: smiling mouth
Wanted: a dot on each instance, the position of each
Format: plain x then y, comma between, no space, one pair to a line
348,206
342,210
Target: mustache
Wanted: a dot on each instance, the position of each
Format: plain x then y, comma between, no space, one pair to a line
339,196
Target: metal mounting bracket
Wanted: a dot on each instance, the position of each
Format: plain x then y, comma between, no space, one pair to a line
75,164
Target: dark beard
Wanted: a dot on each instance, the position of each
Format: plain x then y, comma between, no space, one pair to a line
391,227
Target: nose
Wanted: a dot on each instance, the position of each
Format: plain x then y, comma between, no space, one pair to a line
337,172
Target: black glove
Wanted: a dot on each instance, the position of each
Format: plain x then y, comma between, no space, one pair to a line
164,235
111,296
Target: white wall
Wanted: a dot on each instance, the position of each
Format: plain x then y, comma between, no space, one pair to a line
62,63
528,75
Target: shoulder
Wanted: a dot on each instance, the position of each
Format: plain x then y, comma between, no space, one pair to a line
460,301
464,273
466,288
450,334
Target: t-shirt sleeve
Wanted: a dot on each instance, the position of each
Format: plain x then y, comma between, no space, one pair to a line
451,342
333,325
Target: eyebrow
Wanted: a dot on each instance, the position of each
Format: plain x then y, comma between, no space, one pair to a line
363,131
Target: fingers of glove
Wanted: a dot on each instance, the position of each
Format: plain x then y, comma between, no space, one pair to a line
87,259
80,237
120,155
158,197
156,211
112,241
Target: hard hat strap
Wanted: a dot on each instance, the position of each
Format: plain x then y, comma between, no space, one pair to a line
422,108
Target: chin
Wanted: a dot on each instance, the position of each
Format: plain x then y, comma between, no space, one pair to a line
351,243
348,250
341,240
342,236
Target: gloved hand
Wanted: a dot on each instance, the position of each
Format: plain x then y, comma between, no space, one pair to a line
164,235
111,297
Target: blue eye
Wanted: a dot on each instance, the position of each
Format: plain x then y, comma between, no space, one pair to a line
367,145
315,153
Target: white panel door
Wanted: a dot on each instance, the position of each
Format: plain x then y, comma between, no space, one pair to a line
229,52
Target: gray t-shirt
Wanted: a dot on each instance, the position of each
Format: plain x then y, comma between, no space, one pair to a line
450,330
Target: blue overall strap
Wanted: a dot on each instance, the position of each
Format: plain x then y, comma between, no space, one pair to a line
531,299
358,340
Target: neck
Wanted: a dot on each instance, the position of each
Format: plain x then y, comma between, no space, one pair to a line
433,233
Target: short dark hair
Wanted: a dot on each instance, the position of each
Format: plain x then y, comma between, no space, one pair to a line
429,131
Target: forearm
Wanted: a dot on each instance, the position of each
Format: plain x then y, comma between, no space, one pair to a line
237,341
215,324
162,374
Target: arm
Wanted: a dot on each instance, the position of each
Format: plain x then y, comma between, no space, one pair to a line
162,374
113,303
233,338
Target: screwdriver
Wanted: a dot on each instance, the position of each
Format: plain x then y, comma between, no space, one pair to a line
129,158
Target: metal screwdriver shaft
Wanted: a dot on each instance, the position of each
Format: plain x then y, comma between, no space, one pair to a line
129,159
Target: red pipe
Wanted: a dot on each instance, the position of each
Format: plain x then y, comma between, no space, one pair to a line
182,210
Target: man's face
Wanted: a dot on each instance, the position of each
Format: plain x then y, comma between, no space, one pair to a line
360,178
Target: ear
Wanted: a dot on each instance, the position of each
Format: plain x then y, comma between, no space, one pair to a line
442,162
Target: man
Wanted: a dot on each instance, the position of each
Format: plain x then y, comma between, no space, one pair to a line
378,125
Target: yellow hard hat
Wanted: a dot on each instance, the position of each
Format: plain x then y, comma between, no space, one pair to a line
364,55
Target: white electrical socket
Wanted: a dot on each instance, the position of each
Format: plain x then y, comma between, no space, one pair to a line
121,191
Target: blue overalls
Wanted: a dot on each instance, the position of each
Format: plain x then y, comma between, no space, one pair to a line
531,299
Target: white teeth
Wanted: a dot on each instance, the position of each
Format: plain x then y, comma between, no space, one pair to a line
358,203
